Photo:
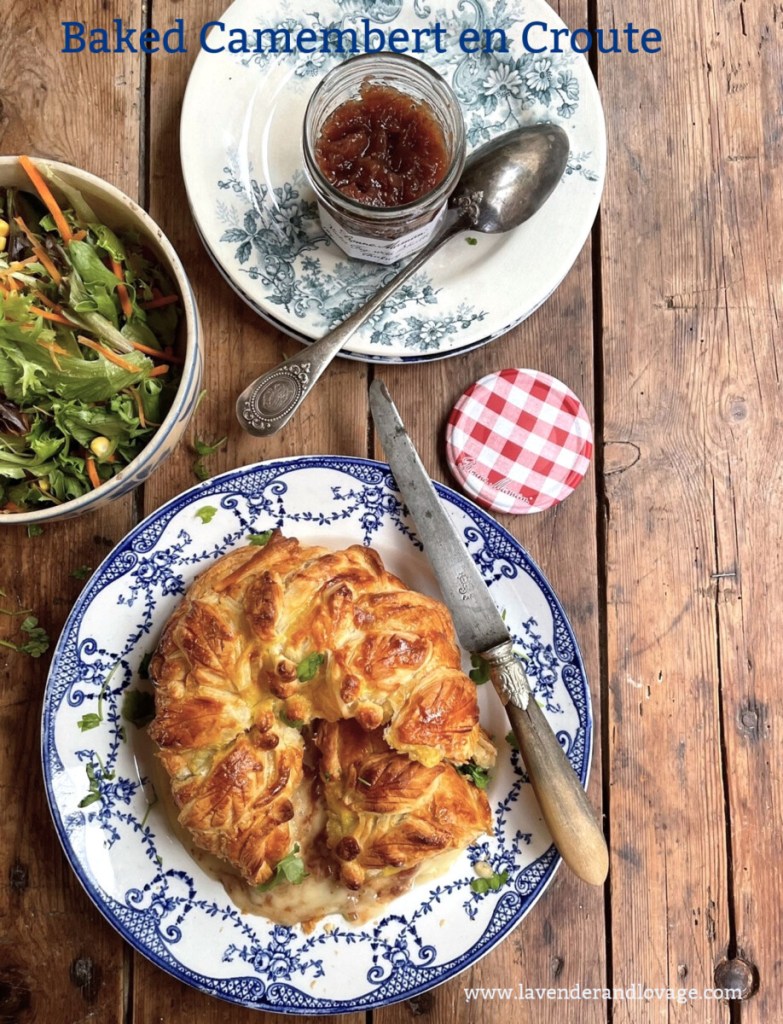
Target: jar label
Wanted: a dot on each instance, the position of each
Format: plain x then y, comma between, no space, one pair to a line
379,250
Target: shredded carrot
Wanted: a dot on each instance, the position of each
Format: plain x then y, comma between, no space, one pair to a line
46,300
161,300
13,285
140,408
92,472
53,347
122,291
54,317
55,360
49,201
155,354
40,255
79,236
19,264
160,371
108,354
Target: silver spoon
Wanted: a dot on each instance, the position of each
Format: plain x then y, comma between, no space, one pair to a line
503,184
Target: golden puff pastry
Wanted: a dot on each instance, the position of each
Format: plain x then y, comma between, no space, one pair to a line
274,638
387,813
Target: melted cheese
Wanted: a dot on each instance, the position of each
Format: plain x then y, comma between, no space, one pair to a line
319,894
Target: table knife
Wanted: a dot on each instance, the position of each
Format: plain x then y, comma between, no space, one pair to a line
481,630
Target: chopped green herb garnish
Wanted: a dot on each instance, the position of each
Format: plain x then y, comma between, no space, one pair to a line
94,718
260,539
494,882
89,721
94,792
144,667
207,513
472,241
82,572
478,776
34,530
512,741
290,869
202,450
480,671
150,805
37,642
199,400
307,669
294,723
138,707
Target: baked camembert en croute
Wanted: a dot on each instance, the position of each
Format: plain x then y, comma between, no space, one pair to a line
313,717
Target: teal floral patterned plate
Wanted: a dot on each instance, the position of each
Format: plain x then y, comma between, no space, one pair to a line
242,163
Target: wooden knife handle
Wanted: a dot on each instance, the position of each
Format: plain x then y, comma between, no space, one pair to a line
563,802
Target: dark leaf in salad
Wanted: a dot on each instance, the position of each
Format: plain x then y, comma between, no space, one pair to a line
12,419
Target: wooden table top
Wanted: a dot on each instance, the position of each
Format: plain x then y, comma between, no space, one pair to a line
667,560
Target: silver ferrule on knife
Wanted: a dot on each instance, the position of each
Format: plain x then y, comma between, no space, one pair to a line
508,675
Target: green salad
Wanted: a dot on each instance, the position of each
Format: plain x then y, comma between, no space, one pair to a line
88,325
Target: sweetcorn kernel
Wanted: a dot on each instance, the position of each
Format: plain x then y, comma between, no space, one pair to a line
100,447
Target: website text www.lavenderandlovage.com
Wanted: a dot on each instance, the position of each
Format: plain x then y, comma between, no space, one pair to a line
217,37
578,993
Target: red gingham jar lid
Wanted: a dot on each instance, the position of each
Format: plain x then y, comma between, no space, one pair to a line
519,441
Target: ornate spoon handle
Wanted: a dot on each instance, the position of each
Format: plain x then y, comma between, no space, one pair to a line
266,405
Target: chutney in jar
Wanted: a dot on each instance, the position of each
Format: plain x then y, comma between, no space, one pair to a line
383,148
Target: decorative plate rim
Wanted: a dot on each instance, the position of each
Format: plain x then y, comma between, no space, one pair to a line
101,900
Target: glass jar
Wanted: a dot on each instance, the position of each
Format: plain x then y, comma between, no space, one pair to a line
383,234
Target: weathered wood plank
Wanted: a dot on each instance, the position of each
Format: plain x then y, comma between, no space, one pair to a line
668,360
238,346
746,435
58,959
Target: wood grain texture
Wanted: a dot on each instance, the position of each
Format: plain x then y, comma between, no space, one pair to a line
745,82
690,380
58,959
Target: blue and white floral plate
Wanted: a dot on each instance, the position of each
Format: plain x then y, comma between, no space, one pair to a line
241,158
98,766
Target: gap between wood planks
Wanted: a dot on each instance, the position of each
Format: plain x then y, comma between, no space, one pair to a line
145,172
601,517
731,949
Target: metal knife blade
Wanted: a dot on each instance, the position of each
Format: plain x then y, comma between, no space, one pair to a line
477,620
563,802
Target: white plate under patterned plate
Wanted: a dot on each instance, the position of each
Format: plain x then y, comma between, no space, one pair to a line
241,158
120,842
